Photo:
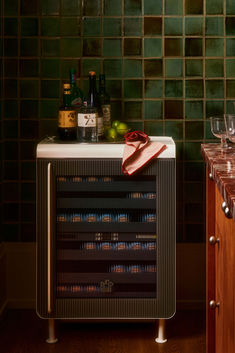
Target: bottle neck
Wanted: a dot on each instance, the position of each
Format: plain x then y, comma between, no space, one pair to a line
66,99
92,90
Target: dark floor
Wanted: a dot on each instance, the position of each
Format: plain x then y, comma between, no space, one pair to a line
22,331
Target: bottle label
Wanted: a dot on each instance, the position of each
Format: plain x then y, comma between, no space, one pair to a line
87,120
106,114
67,118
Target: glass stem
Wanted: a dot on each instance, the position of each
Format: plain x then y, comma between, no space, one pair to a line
224,142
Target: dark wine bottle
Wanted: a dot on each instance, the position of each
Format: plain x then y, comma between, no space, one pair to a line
67,116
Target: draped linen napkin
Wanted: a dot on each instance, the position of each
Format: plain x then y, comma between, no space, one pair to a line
138,151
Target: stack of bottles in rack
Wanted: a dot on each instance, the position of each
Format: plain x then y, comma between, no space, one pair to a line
84,119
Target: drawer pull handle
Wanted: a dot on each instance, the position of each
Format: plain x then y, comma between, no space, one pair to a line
210,176
213,304
227,212
213,240
223,206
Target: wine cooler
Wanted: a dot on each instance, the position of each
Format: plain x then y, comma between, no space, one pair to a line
105,241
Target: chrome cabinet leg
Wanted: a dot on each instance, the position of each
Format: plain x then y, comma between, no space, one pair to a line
161,331
51,331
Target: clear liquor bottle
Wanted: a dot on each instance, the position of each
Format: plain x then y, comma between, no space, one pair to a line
87,122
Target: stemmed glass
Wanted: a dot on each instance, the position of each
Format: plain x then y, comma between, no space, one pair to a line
218,129
230,126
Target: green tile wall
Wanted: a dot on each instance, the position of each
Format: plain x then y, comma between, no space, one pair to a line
169,64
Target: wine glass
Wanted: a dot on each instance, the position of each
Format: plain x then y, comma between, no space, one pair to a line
230,126
218,129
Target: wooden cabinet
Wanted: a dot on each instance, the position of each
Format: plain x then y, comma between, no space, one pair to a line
220,274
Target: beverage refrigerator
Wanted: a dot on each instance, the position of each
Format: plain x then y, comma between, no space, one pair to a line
105,241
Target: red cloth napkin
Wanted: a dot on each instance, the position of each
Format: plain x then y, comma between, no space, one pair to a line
138,151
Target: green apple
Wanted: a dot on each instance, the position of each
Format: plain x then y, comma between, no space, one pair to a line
111,135
122,129
115,123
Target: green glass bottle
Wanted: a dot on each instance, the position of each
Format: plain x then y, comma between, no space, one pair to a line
104,102
76,92
67,117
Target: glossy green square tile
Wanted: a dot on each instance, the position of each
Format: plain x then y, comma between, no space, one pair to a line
153,67
173,88
133,89
230,67
194,109
91,26
49,108
113,67
193,67
194,7
173,109
136,126
132,46
113,47
90,65
194,191
10,129
112,27
28,8
50,26
214,88
194,26
192,151
230,107
230,26
153,128
29,109
230,88
208,134
214,67
194,130
152,7
10,149
28,192
174,129
194,171
214,47
132,68
230,46
230,7
91,47
132,7
29,88
214,108
10,109
112,7
215,7
173,7
116,110
50,68
29,47
29,68
91,8
11,67
71,47
173,26
10,47
70,7
152,110
132,26
173,67
133,110
194,89
70,26
10,231
152,26
50,88
11,172
27,150
152,47
153,88
193,47
28,171
214,26
50,47
50,7
10,88
66,64
10,27
29,26
10,7
11,210
173,47
114,87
